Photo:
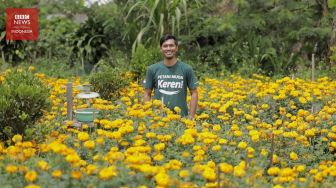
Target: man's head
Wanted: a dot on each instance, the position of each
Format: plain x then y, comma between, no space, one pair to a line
168,46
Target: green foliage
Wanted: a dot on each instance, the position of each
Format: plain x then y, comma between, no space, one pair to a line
55,67
109,82
147,20
244,36
53,32
142,58
22,102
331,3
94,39
56,33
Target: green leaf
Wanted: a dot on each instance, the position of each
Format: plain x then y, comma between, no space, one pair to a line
331,3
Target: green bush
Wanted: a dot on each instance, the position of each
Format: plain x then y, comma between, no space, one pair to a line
23,97
108,82
142,58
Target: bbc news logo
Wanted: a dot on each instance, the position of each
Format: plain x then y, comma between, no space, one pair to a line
21,24
21,19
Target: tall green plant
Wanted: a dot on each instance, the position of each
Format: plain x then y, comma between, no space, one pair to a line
147,20
22,102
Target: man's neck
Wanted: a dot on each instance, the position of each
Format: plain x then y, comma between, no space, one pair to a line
170,62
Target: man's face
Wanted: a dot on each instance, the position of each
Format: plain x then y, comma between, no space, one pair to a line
169,49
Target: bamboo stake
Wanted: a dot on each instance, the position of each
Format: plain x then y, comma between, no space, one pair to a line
69,100
218,176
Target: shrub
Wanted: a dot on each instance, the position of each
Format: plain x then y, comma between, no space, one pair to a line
22,101
109,81
142,58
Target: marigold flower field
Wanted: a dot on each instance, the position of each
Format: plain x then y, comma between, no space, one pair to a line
255,132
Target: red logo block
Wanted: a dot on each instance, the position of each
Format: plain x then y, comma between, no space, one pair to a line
21,23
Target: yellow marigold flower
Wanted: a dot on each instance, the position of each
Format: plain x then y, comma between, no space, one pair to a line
242,145
83,136
30,176
162,179
32,186
107,173
175,164
56,174
275,158
1,148
237,133
277,186
11,168
239,171
184,173
313,171
91,169
177,109
72,158
222,141
158,157
226,168
300,168
150,135
90,144
293,156
286,172
265,106
302,179
302,100
333,144
216,128
42,165
159,147
27,144
157,102
185,154
264,152
216,148
255,138
76,174
209,174
17,138
273,171
100,140
23,168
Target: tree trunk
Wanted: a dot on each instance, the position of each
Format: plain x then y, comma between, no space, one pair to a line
4,65
325,8
332,41
3,57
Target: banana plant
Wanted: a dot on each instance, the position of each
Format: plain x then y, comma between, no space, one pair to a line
151,19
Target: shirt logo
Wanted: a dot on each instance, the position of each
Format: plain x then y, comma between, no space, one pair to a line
163,84
168,92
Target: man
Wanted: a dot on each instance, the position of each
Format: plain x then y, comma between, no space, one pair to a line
170,79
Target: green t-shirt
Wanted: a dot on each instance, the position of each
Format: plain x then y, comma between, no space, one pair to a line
170,84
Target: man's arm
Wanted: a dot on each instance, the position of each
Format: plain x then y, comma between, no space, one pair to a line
147,95
193,103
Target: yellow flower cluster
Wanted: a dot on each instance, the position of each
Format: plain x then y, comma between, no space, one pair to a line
243,126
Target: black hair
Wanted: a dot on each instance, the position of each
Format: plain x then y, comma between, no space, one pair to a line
166,37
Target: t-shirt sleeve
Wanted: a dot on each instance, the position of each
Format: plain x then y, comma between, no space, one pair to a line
191,79
148,81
